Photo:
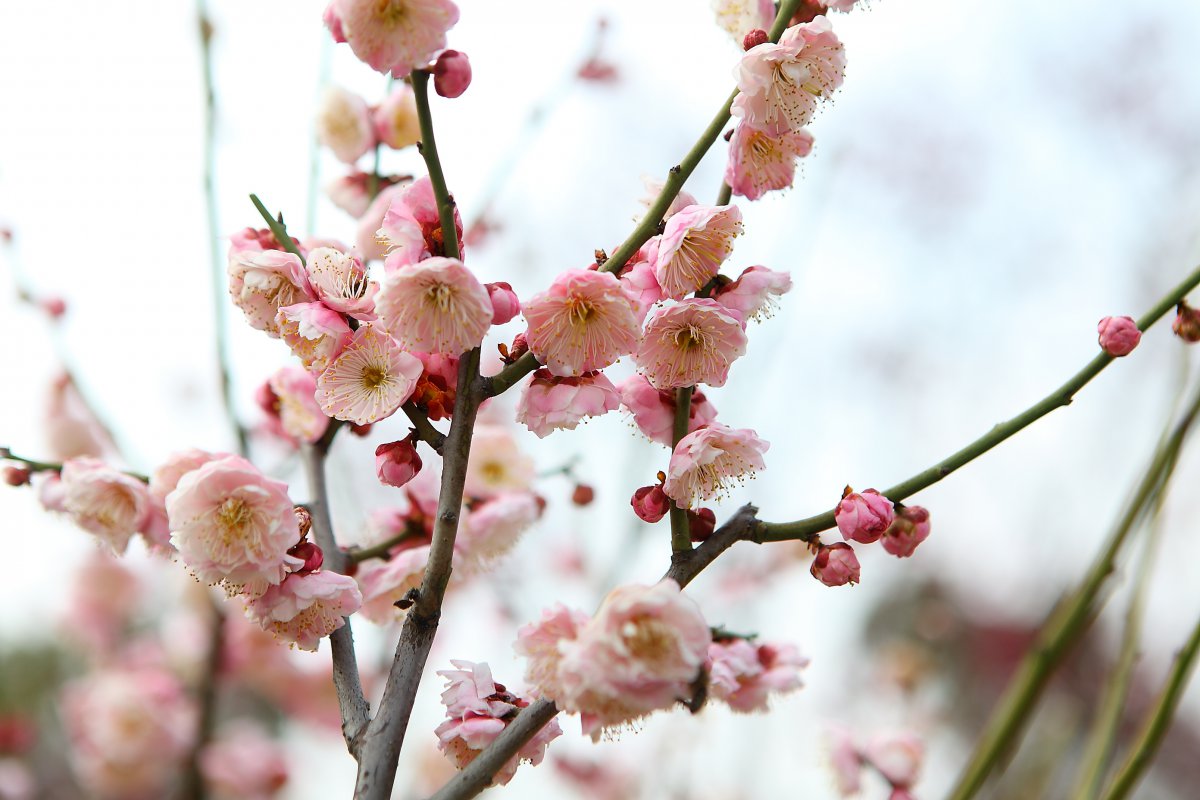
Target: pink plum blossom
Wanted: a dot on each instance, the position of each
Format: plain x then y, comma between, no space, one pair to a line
396,122
910,528
395,36
760,163
753,295
846,760
103,597
300,416
478,709
650,503
368,380
411,230
745,675
244,763
333,22
738,17
435,306
585,321
694,341
549,404
1118,335
505,303
897,756
166,476
641,652
262,282
306,606
492,529
695,243
654,188
781,83
707,462
352,194
642,285
382,583
340,282
72,428
835,565
397,463
369,243
233,525
863,517
315,333
496,463
451,74
129,729
344,124
104,501
653,409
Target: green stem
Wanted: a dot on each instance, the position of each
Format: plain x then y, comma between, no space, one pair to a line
1158,722
278,229
1067,622
725,195
1062,396
380,550
681,539
428,147
510,375
51,466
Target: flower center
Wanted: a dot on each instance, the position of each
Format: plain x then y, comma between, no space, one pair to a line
648,639
579,311
232,516
439,296
373,378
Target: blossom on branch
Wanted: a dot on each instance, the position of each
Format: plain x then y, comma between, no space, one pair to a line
315,333
261,282
653,409
104,501
306,606
368,380
863,517
694,341
744,675
707,462
411,230
340,282
583,322
393,36
760,163
549,404
753,294
694,244
435,306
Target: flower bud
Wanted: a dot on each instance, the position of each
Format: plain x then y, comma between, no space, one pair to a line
303,520
910,528
451,73
518,348
53,307
1118,335
583,494
363,430
835,565
863,517
505,304
1187,323
309,553
397,463
754,38
17,476
701,523
650,503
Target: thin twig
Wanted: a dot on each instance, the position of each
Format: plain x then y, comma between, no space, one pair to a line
420,421
278,229
53,466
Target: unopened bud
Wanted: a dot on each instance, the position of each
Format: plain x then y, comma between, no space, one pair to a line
311,555
397,463
1118,335
53,307
835,565
303,520
451,73
650,503
17,476
519,346
701,523
910,528
505,304
583,494
1187,323
361,430
754,38
863,517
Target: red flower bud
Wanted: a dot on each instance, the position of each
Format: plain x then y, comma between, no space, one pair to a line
754,38
701,523
650,503
451,73
583,494
17,476
835,565
397,463
909,530
310,553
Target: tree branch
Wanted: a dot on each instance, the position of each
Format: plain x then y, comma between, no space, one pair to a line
429,434
681,538
428,146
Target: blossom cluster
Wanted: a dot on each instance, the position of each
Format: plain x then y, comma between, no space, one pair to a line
868,517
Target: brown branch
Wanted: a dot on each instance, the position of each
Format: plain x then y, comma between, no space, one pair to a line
429,434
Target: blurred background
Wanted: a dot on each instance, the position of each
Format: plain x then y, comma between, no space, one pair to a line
992,179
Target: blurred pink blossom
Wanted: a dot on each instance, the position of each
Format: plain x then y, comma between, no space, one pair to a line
384,582
244,763
744,675
344,124
492,528
496,463
300,416
104,501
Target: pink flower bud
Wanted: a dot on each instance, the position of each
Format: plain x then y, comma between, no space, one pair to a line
863,517
518,348
754,38
310,554
835,565
583,495
1187,323
17,476
650,503
701,524
451,73
1118,335
54,307
910,528
361,430
505,304
397,463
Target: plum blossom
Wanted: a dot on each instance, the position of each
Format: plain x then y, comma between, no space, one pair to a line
846,761
897,756
760,163
744,675
694,341
478,709
496,463
492,528
781,83
368,380
344,124
72,428
653,409
395,36
585,321
650,503
451,74
640,282
340,282
641,652
104,501
396,122
397,463
505,303
300,416
233,525
705,463
738,17
1118,335
244,763
435,306
549,404
694,244
165,477
910,528
262,282
411,229
370,245
306,606
382,583
835,565
863,517
753,295
315,333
